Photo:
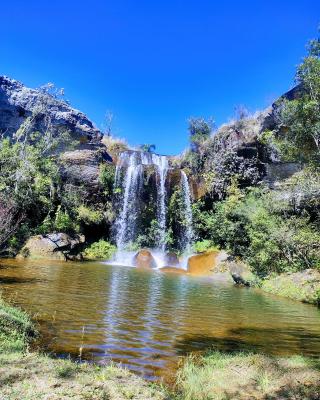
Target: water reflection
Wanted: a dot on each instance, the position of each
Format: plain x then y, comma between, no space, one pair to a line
146,320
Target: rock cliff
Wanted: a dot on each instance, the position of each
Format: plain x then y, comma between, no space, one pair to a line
43,111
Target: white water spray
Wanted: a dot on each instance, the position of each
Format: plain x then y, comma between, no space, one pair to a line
187,234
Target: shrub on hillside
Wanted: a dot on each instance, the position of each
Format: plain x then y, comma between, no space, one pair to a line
101,250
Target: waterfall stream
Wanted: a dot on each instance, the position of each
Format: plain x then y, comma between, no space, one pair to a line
187,235
129,180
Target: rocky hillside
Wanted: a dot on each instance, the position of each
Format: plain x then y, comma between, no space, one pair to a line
43,111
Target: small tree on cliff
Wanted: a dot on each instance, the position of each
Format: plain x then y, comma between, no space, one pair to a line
300,118
200,129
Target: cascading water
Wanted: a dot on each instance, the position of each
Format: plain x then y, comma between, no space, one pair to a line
187,233
126,221
129,178
162,165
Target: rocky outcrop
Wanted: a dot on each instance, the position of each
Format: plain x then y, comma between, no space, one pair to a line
82,167
53,246
144,259
17,103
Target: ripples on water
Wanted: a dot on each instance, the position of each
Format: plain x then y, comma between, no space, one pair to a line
146,320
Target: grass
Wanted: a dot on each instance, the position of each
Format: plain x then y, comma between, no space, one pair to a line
297,286
220,376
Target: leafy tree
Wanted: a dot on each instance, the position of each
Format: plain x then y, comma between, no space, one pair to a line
200,130
148,148
300,118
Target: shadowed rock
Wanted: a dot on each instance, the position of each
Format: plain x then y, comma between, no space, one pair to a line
144,259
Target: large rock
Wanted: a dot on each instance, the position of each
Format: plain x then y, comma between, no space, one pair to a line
171,259
82,167
202,264
53,246
240,272
17,103
144,259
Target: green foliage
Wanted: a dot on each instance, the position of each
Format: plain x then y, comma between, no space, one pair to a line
101,250
149,148
106,178
88,216
15,329
200,129
204,245
63,221
300,118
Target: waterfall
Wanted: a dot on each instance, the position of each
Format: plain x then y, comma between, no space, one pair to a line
132,162
162,165
187,233
126,221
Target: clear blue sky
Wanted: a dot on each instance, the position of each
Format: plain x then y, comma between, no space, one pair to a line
156,63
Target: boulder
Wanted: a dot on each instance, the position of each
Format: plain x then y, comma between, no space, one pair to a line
202,264
171,259
144,259
53,246
240,272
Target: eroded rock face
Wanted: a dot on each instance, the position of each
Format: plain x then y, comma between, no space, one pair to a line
144,259
17,103
53,246
82,167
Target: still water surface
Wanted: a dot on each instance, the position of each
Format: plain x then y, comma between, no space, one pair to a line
147,320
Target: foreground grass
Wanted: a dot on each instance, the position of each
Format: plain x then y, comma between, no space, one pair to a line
29,375
220,376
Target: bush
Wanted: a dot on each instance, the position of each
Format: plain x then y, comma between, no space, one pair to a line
101,250
88,216
204,245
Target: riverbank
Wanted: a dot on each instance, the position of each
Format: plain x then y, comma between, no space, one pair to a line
27,375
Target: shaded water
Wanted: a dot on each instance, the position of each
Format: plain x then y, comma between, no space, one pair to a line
147,319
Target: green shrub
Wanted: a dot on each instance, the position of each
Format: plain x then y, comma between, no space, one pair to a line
88,216
204,245
100,250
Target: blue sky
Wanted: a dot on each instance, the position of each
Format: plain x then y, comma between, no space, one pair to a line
156,63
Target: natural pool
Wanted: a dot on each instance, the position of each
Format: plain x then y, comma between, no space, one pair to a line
147,320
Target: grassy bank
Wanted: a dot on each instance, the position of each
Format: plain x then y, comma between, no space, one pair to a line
219,376
29,375
302,286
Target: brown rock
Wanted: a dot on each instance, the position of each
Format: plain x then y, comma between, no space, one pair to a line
144,259
202,264
171,259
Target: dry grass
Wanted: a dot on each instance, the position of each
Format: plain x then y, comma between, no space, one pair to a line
32,376
220,376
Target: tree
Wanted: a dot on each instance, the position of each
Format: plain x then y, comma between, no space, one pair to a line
200,129
108,123
148,148
10,219
300,118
